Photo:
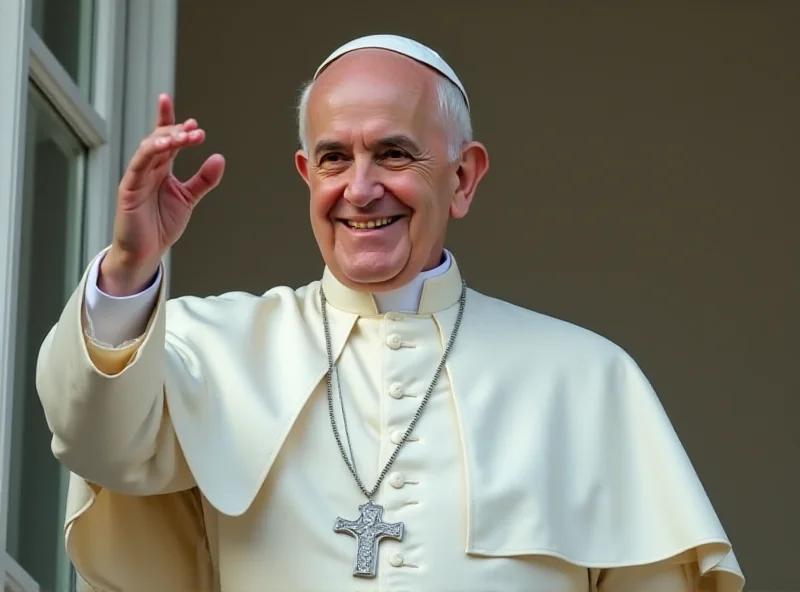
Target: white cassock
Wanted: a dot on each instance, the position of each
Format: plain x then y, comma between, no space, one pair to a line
203,456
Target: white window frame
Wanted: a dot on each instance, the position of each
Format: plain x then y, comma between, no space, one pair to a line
133,60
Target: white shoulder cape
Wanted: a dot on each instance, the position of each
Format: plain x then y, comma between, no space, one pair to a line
568,451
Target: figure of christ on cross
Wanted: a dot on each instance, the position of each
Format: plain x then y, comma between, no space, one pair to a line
368,530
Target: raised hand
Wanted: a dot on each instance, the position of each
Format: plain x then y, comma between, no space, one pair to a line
153,206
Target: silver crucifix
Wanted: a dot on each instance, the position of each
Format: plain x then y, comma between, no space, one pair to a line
368,531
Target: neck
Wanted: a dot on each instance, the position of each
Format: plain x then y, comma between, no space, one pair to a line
406,298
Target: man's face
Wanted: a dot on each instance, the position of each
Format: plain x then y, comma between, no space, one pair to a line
382,187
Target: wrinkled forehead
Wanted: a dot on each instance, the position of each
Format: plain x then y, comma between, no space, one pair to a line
371,89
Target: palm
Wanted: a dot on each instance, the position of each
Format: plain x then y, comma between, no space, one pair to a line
173,207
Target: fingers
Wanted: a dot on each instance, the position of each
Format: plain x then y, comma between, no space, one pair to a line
165,124
175,138
149,148
206,178
190,124
166,111
160,148
179,136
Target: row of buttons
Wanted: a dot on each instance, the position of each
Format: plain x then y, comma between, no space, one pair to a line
397,480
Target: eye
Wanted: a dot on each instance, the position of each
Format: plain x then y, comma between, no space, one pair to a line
395,154
331,157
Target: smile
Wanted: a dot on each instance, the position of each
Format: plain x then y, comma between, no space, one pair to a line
370,224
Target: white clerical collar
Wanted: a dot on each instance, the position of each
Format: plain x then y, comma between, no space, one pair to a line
431,291
406,298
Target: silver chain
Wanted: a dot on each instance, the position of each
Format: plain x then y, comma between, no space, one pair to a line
351,464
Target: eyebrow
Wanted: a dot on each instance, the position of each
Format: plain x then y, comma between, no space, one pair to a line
399,141
328,146
394,141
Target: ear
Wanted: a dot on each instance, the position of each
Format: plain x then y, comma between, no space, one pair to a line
472,167
301,163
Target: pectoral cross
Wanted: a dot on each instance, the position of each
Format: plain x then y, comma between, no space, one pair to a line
368,531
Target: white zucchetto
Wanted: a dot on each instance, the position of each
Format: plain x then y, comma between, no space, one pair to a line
404,46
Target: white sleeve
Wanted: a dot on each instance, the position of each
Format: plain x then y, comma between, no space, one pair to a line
114,320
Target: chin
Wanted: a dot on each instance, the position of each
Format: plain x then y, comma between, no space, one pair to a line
371,276
374,274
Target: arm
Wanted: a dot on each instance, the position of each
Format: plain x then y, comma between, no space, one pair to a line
105,405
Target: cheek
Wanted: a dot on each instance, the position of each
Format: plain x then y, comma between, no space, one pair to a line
409,190
426,197
324,195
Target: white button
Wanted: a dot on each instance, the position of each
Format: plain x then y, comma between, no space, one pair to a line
394,341
397,480
396,390
396,560
397,437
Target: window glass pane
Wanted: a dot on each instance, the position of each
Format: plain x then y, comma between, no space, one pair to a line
67,28
51,251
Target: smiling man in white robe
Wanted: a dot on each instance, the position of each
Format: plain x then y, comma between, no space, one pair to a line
383,428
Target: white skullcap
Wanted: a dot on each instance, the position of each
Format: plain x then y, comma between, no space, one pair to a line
402,45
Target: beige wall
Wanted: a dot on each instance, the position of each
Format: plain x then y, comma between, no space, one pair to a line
644,183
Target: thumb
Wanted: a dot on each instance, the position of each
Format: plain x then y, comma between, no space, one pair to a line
206,178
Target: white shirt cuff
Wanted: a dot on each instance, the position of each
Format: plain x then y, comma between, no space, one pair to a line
114,320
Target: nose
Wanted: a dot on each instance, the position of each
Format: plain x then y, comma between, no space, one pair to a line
363,186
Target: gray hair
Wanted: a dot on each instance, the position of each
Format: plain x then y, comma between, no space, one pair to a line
452,109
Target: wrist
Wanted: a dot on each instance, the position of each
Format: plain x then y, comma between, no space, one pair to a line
121,275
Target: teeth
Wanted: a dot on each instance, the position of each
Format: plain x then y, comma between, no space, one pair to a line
377,223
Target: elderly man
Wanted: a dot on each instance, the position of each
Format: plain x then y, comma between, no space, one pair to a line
383,428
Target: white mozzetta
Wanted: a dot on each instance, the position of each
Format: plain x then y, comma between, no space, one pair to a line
544,460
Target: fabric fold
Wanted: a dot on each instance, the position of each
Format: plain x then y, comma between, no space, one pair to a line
566,447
